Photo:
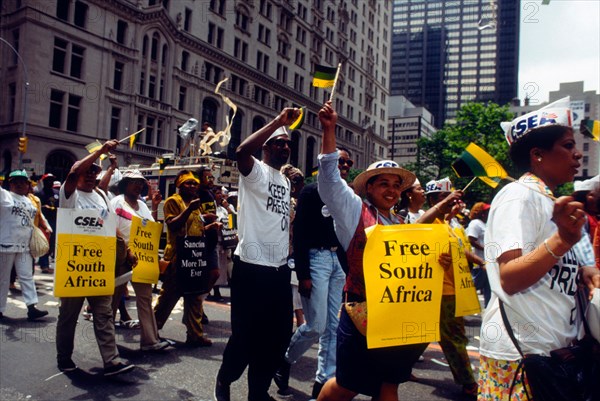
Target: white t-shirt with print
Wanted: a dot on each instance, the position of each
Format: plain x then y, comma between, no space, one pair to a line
85,200
125,212
263,216
543,316
17,213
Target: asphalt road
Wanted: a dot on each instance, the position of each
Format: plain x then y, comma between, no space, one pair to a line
28,361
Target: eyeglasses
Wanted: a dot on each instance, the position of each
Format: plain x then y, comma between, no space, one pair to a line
281,142
347,162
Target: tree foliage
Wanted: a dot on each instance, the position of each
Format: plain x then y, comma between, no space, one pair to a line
475,122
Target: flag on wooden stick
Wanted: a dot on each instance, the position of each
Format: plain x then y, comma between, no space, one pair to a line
590,128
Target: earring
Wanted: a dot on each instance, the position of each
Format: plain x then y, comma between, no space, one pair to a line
539,159
410,198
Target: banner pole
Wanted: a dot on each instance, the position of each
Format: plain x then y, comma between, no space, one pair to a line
337,74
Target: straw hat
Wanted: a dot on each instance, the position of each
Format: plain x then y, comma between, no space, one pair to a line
382,167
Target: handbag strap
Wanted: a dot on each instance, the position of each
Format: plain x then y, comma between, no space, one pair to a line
520,367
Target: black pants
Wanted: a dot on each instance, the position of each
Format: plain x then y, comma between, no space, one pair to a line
261,325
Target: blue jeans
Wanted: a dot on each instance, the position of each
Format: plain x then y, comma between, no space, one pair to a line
321,312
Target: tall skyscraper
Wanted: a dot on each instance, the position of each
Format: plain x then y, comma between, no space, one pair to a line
448,53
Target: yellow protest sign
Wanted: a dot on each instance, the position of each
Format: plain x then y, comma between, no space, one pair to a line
467,302
144,239
85,253
403,282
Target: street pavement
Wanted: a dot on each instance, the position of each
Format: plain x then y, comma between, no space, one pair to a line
28,360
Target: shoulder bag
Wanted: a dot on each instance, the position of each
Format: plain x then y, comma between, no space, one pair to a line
568,374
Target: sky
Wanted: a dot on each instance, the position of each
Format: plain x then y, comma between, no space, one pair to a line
560,42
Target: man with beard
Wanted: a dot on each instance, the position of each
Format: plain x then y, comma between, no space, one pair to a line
261,296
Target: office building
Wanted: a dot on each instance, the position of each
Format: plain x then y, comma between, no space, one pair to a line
448,53
102,69
407,124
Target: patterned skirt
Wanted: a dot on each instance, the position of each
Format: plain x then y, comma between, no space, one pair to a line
495,379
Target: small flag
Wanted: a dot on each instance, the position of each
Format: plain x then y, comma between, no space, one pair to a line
324,77
161,165
476,162
300,120
491,181
590,128
94,146
134,138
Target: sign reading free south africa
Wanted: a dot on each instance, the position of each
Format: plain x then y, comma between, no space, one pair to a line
85,253
403,282
144,239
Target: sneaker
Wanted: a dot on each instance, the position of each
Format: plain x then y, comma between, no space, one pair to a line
282,376
118,369
67,366
199,342
222,391
155,347
33,313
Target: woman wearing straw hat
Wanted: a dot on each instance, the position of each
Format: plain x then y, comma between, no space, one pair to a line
536,291
374,372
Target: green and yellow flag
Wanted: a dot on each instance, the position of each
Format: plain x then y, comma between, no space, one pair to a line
324,76
300,120
476,162
590,128
94,146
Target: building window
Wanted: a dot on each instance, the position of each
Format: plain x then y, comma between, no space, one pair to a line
154,48
299,58
77,61
238,85
115,118
142,83
56,106
265,8
80,16
60,55
586,147
187,21
15,44
121,31
12,101
152,87
185,57
182,93
215,35
298,82
118,79
283,47
262,62
282,73
264,35
73,113
60,58
241,20
62,9
240,49
217,6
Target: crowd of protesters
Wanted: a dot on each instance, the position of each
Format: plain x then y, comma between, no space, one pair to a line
324,248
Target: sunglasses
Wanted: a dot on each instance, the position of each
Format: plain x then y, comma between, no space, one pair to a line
281,142
348,162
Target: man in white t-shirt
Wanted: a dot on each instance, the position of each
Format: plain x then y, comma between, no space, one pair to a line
78,192
261,296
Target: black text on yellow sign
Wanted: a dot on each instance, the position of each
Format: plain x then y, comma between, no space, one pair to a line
403,281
